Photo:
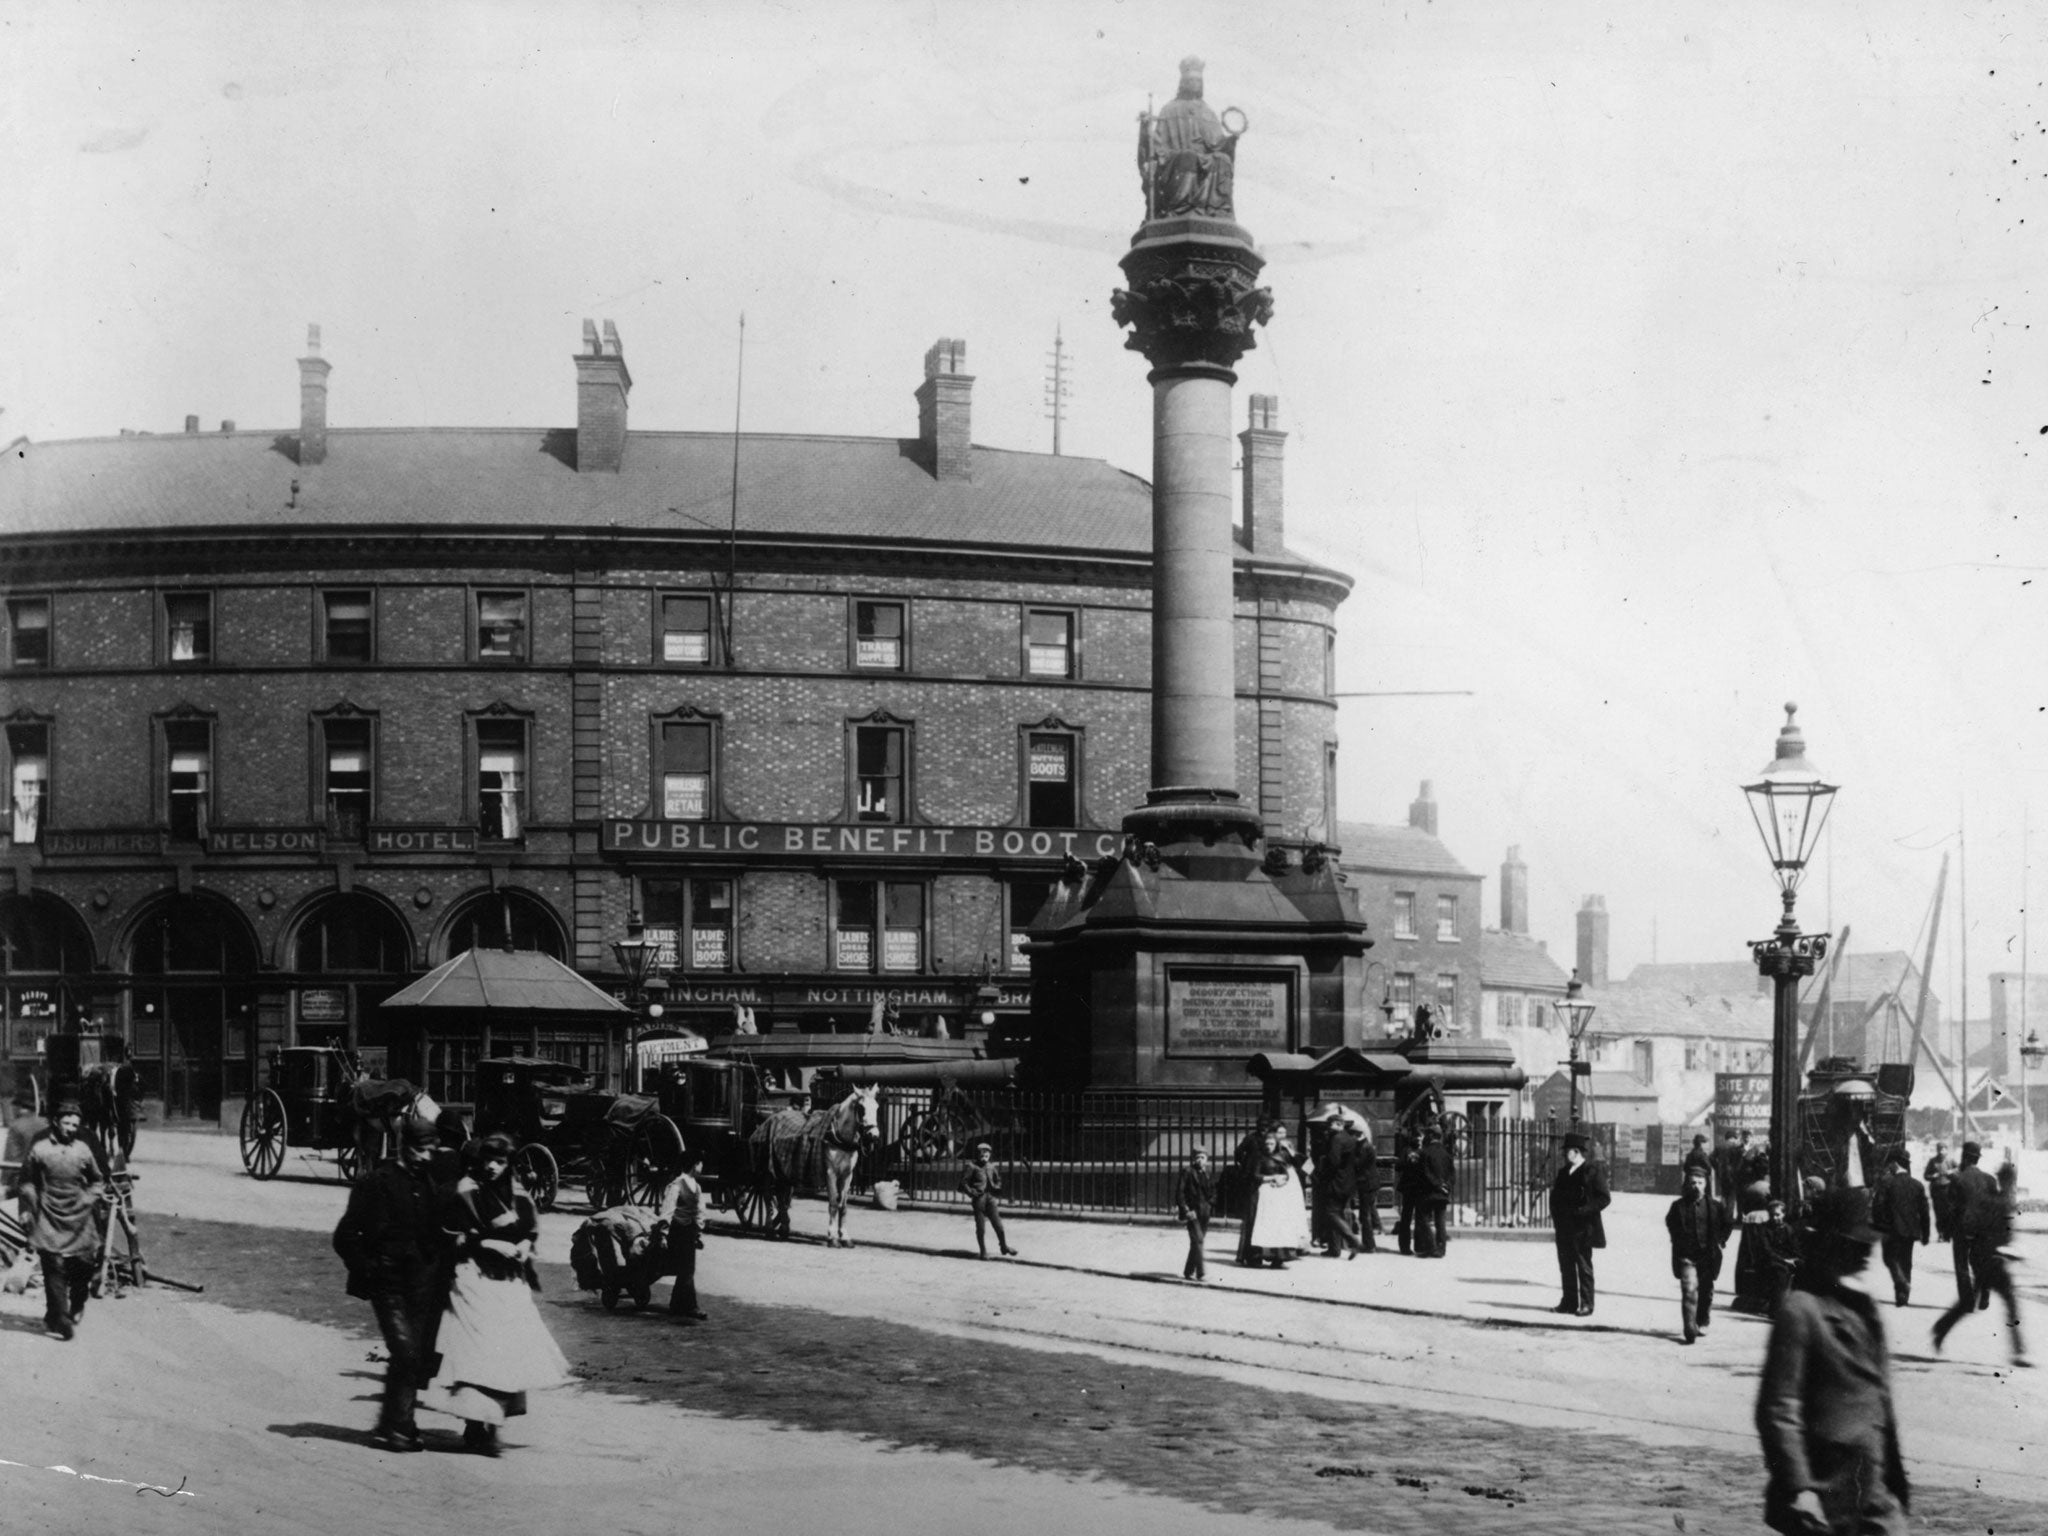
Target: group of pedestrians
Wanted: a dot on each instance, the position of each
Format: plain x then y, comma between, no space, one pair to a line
447,1266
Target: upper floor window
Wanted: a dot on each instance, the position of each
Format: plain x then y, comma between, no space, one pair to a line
1447,918
345,786
501,779
28,632
878,636
188,788
28,769
1049,642
1404,915
501,626
188,628
1329,662
1050,789
685,638
691,921
686,759
1645,1062
1403,991
874,918
1447,999
347,633
879,776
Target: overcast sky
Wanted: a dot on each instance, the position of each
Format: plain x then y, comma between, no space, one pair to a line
1647,366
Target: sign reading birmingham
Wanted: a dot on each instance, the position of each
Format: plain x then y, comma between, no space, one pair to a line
837,840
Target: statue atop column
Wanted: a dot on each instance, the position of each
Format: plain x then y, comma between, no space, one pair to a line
1187,155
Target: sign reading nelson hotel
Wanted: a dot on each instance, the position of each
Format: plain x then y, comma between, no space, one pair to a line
808,841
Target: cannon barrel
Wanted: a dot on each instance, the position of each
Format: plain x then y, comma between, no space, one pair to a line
964,1074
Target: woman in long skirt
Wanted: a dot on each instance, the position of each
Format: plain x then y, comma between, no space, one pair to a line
494,1347
1279,1220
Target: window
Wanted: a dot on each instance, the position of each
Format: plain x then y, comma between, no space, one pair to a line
28,632
872,918
1646,1066
1027,899
1447,919
345,787
28,756
1330,663
500,779
1404,915
1328,832
1404,991
1511,1010
686,631
188,753
691,921
1048,643
1447,999
878,637
188,628
686,770
1698,1056
346,633
1049,787
878,752
501,626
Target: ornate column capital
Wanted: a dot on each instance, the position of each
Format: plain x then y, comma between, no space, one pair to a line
1194,295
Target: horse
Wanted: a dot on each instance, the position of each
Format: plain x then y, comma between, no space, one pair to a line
107,1092
819,1147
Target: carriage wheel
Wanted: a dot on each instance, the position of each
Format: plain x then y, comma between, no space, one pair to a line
263,1134
534,1166
599,1190
753,1201
347,1162
655,1159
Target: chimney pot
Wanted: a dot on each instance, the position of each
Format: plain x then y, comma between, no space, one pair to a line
1264,445
1593,941
1514,893
1422,811
192,425
313,371
945,411
228,425
602,385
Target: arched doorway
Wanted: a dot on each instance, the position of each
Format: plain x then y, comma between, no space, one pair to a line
192,1015
45,972
350,952
489,919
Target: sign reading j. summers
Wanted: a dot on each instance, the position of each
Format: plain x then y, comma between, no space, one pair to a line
1228,1012
792,840
1742,1102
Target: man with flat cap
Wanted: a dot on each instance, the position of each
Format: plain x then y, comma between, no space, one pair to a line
1577,1197
1903,1216
63,1187
391,1239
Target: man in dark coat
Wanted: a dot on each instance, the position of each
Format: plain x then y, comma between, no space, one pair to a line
1969,1186
1194,1205
1577,1197
1983,1223
1699,1228
1407,1186
390,1238
1337,1191
1369,1194
1901,1212
1439,1176
1700,1157
1939,1173
62,1199
1824,1409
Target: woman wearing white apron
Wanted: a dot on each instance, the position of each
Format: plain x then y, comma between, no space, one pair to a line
1279,1219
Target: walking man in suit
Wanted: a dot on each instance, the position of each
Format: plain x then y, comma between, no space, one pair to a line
1901,1212
1577,1197
1699,1228
1969,1186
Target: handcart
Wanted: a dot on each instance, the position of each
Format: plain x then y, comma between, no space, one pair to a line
120,1266
617,1253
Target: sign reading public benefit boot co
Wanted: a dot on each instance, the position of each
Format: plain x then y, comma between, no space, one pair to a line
766,840
1228,1011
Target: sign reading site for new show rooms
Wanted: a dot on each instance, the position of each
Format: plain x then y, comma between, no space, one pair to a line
1215,1012
834,840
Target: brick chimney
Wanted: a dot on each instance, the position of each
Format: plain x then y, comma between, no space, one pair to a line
944,413
1422,810
1514,893
191,426
1593,941
313,401
1265,527
602,384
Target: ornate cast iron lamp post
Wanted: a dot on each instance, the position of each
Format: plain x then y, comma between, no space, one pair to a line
1574,1013
640,958
2031,1050
1790,804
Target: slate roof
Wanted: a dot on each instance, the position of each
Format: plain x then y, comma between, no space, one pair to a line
1630,1011
523,480
1859,978
1732,977
1395,850
524,981
1515,962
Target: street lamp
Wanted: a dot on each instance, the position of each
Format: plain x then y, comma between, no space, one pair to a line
1386,1003
1790,805
640,958
1574,1013
2031,1050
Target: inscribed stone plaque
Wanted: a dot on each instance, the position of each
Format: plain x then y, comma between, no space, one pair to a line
1228,1013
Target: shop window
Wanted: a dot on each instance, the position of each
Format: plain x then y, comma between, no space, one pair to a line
28,632
1051,794
28,774
1027,899
501,779
685,638
686,762
347,633
879,776
1049,642
1447,919
690,922
878,921
188,788
345,784
1404,915
450,1062
878,635
188,628
501,627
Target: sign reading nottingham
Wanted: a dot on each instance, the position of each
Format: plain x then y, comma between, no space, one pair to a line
1234,1012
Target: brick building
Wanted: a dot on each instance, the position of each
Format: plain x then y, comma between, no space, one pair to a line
1422,908
292,717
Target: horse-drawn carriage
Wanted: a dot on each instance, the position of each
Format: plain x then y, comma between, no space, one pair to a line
95,1070
320,1099
623,1148
718,1102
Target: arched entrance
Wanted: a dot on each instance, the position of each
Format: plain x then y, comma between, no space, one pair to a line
504,919
192,1014
350,952
45,972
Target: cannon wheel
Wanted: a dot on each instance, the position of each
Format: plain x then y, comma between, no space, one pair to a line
655,1158
263,1134
538,1173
